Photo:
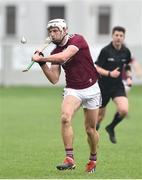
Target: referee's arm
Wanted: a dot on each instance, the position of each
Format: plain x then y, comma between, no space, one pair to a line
99,64
128,74
101,60
102,71
114,73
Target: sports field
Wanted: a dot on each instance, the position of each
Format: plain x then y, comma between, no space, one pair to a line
31,145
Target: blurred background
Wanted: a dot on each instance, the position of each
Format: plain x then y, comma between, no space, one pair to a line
94,19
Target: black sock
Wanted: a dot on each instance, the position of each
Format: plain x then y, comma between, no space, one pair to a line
116,120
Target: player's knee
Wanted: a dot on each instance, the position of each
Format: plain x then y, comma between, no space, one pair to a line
66,118
90,130
123,112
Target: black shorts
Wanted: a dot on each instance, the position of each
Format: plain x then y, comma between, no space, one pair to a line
111,93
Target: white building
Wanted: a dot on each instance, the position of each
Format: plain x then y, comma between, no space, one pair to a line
92,18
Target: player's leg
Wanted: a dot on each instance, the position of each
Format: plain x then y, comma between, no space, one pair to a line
91,103
91,117
90,125
119,98
122,110
69,106
101,115
102,110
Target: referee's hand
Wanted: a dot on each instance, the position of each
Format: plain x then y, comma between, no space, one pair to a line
129,81
115,73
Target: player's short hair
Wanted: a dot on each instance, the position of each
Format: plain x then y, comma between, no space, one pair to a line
118,28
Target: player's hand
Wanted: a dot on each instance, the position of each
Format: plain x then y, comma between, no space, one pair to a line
37,57
115,73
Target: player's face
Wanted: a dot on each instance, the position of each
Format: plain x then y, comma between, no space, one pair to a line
56,35
118,38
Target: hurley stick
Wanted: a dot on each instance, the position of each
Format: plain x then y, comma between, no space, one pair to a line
47,42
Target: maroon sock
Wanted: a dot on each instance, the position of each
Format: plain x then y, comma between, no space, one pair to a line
69,152
93,157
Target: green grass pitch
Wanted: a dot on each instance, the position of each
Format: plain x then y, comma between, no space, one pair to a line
31,144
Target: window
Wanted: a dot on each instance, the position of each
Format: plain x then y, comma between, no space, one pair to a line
56,12
10,20
104,20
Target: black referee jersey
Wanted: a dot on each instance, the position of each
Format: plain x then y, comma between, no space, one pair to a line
111,58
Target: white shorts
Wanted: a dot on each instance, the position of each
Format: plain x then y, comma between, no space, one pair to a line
90,97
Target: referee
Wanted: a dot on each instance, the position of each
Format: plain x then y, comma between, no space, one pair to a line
110,63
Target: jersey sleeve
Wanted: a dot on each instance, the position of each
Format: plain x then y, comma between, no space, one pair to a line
78,41
101,58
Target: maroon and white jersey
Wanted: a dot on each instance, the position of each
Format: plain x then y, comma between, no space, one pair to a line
80,72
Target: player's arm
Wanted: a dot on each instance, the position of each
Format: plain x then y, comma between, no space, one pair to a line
58,58
52,73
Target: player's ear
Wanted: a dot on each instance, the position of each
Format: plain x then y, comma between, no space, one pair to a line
65,29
